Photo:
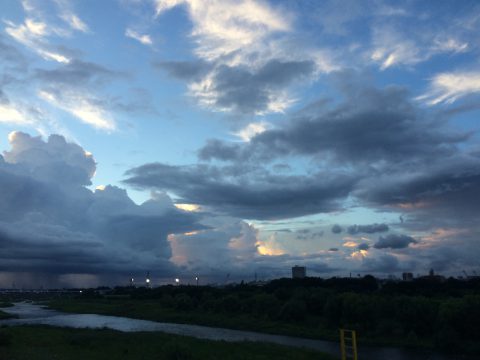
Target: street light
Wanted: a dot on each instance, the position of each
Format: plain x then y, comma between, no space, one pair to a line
196,279
177,280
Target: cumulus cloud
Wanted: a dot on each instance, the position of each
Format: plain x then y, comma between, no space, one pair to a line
394,241
52,161
51,223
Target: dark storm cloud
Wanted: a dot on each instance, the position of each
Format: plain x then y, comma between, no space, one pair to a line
382,264
255,196
394,241
370,126
51,223
449,185
337,229
367,229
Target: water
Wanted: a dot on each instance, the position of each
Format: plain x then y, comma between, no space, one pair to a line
31,314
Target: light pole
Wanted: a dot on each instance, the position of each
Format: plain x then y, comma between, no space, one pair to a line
196,279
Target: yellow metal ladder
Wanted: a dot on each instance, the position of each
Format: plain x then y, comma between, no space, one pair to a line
348,344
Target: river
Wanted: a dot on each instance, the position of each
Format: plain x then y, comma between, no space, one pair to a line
33,314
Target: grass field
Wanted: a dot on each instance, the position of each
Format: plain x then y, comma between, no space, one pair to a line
47,343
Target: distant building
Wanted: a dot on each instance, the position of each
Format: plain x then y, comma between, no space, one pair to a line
299,272
432,277
407,276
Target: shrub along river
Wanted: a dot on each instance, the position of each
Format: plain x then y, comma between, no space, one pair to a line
32,314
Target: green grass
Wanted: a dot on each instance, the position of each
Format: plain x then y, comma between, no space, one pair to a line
5,304
45,343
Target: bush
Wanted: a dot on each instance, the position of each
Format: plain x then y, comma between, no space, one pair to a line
5,339
294,310
183,302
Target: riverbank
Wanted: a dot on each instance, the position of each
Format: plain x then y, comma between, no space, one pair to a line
152,310
65,343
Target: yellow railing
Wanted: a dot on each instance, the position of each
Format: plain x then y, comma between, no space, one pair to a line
348,344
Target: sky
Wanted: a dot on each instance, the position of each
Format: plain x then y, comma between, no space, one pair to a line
234,139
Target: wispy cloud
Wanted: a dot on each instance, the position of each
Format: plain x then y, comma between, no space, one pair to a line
32,34
11,115
74,22
145,39
38,27
82,107
252,129
449,87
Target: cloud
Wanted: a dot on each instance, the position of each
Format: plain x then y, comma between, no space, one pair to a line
449,87
247,43
9,114
240,88
337,229
32,34
78,74
394,241
40,25
51,224
246,195
144,39
363,246
82,107
385,263
414,37
368,229
72,88
185,70
224,27
75,22
251,130
441,192
53,161
372,126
